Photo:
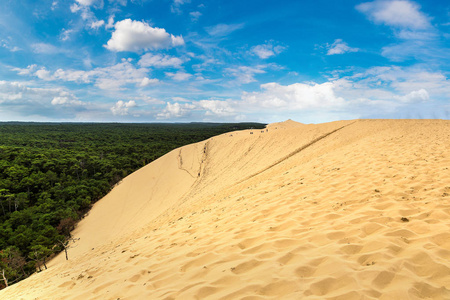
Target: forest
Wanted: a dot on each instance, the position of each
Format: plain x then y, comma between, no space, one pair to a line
52,173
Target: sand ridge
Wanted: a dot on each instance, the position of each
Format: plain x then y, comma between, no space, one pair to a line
344,210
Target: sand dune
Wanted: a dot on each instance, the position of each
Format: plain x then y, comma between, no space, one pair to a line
344,210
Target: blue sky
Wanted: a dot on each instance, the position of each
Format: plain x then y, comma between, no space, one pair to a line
223,60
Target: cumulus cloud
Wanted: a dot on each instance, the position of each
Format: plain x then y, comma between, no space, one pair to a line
221,30
267,50
121,108
160,61
415,96
216,107
136,36
147,81
44,74
66,99
340,47
378,91
297,96
179,76
397,13
175,110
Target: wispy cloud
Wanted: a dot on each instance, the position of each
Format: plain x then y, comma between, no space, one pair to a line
416,35
245,74
23,101
160,61
97,24
114,77
176,5
195,15
340,47
121,107
222,30
398,13
7,44
44,48
179,76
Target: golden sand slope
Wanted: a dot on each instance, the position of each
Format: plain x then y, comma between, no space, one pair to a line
342,210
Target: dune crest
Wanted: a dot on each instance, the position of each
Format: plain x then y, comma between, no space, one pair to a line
285,125
355,209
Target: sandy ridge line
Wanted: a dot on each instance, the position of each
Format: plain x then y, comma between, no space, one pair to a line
180,163
296,152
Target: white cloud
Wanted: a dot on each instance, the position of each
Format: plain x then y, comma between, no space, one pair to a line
44,48
415,96
6,44
216,107
267,50
297,96
418,38
108,78
65,34
24,97
404,80
121,2
175,7
11,91
397,13
175,110
195,15
179,76
136,36
340,47
110,23
29,70
74,8
149,100
89,2
160,61
66,100
223,29
147,81
121,107
180,99
44,74
245,74
97,24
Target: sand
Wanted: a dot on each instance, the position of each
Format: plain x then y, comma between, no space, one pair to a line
344,210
